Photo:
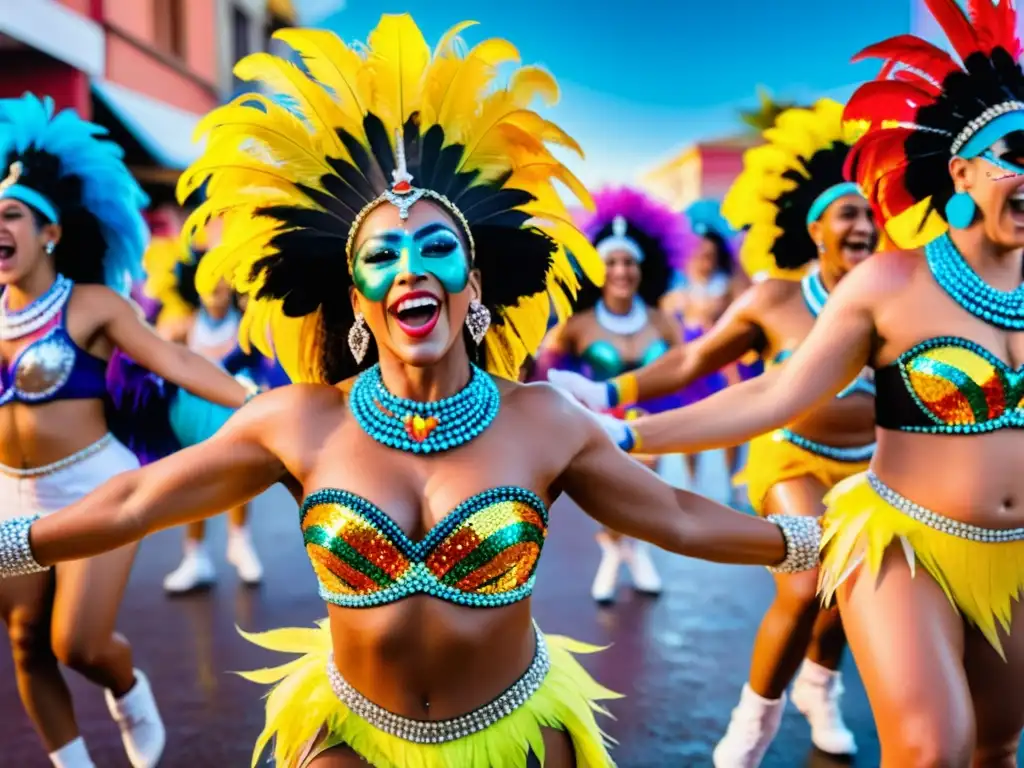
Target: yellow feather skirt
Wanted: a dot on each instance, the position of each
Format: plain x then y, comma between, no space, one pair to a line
772,460
981,580
304,717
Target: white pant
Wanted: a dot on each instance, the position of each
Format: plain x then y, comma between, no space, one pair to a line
43,491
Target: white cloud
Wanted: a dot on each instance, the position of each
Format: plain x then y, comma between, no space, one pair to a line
315,11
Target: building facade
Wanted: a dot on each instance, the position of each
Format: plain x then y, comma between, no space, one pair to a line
703,170
147,70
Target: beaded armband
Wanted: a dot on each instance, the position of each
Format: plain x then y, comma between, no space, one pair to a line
16,558
803,540
623,390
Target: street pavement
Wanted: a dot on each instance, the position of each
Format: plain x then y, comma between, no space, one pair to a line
680,659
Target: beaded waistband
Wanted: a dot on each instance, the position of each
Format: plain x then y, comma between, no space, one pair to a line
852,454
67,461
940,522
441,731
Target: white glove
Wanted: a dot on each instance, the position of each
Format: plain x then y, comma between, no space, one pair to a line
593,394
617,430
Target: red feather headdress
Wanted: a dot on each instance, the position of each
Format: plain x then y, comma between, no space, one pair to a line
922,104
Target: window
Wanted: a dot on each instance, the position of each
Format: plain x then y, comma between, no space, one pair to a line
241,30
169,26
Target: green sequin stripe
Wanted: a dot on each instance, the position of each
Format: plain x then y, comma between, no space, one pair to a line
344,551
966,386
491,547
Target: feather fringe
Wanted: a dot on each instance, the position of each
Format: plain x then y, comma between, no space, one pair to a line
981,580
303,715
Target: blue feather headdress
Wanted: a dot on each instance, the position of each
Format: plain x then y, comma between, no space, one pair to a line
68,173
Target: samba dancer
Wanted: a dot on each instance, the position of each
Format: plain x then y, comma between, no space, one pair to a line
71,239
802,216
462,460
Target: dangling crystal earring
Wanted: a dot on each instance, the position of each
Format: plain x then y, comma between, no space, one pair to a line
478,320
960,210
821,247
359,338
50,248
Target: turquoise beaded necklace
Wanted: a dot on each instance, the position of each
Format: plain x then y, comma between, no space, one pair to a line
424,427
1003,309
814,292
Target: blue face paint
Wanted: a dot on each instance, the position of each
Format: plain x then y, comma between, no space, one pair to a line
433,249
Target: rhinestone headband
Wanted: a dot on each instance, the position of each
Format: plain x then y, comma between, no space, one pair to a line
403,195
982,120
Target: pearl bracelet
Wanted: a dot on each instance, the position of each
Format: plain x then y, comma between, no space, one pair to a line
16,558
803,540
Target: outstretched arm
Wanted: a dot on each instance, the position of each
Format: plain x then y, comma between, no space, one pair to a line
838,347
223,472
620,493
735,333
131,334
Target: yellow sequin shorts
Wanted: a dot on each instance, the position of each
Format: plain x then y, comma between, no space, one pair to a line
982,579
776,457
305,717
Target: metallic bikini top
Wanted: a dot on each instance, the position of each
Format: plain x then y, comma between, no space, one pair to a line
605,362
52,367
481,554
950,386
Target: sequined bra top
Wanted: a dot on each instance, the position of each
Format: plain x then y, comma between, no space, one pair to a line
52,367
605,362
949,385
481,554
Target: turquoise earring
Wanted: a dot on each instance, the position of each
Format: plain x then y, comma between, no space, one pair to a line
960,210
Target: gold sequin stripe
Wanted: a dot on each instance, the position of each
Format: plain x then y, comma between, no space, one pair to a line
67,461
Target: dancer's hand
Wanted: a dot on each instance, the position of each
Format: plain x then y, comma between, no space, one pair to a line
593,394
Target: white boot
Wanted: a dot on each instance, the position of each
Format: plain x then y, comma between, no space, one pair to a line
195,571
72,755
607,576
754,723
637,555
242,555
816,694
142,730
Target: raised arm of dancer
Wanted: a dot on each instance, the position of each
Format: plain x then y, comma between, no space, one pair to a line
174,362
837,349
735,333
223,472
623,495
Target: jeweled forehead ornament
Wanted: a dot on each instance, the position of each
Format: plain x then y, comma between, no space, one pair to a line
403,195
13,175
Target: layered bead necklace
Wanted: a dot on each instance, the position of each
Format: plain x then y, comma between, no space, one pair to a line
424,427
29,319
1003,309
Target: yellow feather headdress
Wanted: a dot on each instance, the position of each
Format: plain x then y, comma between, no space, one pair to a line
163,263
803,156
292,167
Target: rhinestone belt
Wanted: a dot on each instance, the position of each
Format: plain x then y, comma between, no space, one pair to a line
67,461
441,731
855,453
940,523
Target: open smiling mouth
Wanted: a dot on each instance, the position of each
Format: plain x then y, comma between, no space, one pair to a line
416,313
6,253
861,248
1016,202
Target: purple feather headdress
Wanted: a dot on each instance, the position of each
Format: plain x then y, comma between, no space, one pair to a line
662,227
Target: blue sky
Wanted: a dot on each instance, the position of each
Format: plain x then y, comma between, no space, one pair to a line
642,79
